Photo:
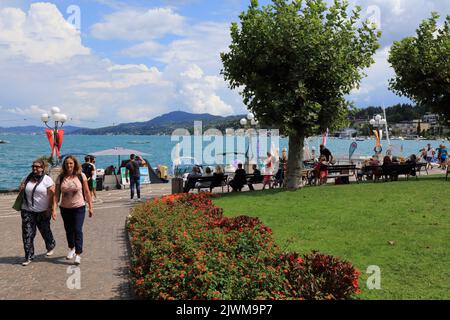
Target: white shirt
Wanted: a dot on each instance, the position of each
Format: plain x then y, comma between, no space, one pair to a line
430,153
41,199
94,173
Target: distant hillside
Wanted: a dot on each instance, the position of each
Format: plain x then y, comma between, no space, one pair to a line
34,130
166,124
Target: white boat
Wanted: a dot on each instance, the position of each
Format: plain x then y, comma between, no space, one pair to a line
4,142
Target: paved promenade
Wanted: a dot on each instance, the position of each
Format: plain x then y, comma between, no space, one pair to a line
103,270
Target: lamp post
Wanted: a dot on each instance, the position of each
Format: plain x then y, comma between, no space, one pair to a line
250,121
378,122
52,132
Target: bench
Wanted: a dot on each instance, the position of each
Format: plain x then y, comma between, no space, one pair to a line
420,166
397,169
216,181
373,171
390,170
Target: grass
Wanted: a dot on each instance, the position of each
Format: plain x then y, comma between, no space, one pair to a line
356,222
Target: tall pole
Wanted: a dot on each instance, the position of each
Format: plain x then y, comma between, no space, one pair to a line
387,129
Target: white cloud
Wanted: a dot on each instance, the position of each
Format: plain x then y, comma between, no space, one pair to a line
32,110
147,48
138,25
41,35
125,76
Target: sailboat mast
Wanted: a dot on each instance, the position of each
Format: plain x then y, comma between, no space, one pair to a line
387,130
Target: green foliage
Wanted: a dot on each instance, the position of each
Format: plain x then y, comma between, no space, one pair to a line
356,222
296,60
183,248
422,66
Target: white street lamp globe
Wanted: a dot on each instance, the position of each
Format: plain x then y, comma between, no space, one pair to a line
57,116
243,122
63,118
383,122
254,122
45,117
372,122
55,110
377,117
250,116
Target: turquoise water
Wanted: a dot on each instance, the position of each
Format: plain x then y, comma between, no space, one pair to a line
17,156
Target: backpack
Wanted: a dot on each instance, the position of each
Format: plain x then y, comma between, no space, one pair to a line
87,168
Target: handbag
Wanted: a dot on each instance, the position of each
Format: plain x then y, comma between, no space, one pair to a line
19,201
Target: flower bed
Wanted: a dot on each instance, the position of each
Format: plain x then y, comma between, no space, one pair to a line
184,249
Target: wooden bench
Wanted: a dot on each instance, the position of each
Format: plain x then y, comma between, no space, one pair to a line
397,169
373,171
420,166
390,170
216,182
340,171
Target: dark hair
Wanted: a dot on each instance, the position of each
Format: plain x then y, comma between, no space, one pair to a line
87,158
239,165
132,156
43,163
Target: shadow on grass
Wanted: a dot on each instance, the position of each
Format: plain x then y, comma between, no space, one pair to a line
269,192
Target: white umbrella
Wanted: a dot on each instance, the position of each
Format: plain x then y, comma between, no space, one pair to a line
117,151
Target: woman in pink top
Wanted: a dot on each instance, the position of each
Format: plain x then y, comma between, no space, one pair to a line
73,191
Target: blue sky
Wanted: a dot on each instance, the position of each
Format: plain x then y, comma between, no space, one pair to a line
134,60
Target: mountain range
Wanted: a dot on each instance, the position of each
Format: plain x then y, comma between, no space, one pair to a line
166,124
33,130
162,125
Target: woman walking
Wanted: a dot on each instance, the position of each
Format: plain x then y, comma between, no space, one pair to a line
73,191
37,209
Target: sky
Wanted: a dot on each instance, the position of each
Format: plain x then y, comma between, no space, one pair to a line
104,62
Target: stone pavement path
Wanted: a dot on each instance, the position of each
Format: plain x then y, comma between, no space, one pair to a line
103,269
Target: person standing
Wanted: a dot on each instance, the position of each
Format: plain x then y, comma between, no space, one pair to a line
327,153
94,179
268,171
444,155
73,191
88,169
37,209
430,155
132,168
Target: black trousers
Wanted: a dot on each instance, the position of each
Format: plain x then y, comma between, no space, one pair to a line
31,220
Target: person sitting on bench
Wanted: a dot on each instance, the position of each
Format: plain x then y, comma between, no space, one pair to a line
205,184
189,183
257,178
239,179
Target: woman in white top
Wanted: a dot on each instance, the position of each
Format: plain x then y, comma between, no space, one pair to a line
37,209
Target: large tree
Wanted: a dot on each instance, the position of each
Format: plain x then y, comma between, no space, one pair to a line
422,66
294,62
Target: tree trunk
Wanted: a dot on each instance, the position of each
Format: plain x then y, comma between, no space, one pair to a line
295,161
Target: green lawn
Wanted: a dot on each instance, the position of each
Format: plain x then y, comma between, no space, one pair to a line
355,222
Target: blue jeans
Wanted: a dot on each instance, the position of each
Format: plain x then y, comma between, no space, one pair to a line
73,224
135,181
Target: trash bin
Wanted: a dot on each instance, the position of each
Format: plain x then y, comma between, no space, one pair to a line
177,185
99,183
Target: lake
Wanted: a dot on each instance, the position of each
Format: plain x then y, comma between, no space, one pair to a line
17,155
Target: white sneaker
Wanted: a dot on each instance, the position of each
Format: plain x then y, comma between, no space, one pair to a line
50,253
71,254
25,263
77,259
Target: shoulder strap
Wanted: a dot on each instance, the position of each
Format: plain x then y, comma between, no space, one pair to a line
80,177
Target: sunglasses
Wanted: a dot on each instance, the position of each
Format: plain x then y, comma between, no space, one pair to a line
36,167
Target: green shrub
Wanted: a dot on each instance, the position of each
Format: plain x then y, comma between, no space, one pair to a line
184,249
